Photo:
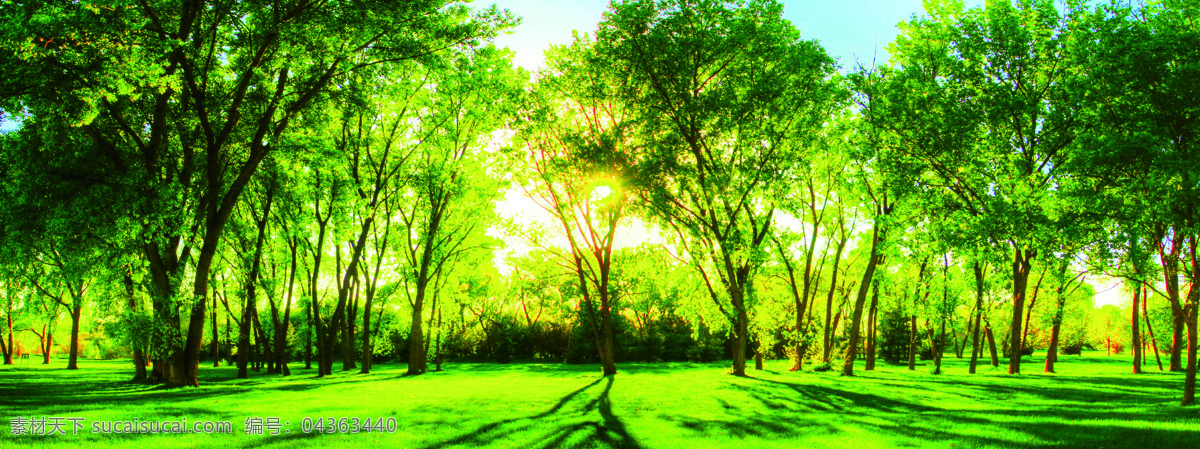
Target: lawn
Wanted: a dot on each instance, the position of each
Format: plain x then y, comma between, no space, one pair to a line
1092,403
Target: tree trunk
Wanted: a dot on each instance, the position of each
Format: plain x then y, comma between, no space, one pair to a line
1021,265
243,356
872,317
958,349
1029,312
348,329
1169,260
262,346
1135,340
317,326
281,329
1191,310
139,358
1150,328
860,301
416,338
72,362
992,345
216,341
976,348
250,311
1189,380
608,360
828,334
1177,343
366,335
1052,352
939,348
228,341
368,350
437,358
308,336
962,347
740,334
8,349
912,343
50,346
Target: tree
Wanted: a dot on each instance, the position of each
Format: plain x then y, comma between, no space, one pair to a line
575,149
725,98
1141,64
450,186
185,100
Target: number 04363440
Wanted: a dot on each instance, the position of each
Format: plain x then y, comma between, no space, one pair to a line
348,425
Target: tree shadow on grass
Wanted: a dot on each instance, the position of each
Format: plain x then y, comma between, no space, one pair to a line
802,410
609,432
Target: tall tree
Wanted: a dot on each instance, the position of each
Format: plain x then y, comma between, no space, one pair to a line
726,97
450,188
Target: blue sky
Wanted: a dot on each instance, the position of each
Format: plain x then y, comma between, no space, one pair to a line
848,29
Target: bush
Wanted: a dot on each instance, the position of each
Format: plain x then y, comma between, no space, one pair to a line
894,334
708,347
548,341
504,340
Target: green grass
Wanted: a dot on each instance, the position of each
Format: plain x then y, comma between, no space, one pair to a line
1093,403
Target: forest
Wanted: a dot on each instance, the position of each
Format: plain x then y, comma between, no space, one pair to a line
203,185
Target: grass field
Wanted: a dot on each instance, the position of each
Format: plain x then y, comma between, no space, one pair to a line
1093,403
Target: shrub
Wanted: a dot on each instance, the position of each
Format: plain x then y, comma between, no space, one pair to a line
894,333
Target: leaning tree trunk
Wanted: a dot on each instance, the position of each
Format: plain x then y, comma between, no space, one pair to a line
859,302
50,346
1029,312
991,339
368,350
1055,330
827,350
1150,329
9,349
1052,352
